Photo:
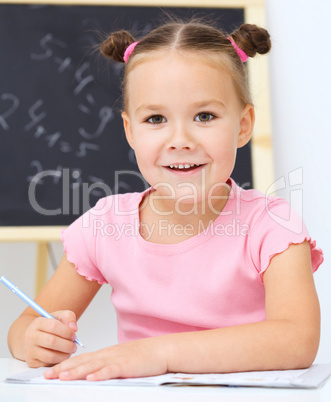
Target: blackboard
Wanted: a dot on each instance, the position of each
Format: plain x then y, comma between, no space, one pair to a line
62,139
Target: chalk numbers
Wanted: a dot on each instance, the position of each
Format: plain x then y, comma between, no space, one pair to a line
38,116
9,103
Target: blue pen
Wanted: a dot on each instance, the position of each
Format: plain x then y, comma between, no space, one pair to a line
30,302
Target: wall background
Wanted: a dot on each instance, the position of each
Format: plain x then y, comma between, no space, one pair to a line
300,84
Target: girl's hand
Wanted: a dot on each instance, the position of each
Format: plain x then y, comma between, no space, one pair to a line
47,341
145,357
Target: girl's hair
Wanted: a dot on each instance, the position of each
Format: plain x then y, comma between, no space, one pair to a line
199,39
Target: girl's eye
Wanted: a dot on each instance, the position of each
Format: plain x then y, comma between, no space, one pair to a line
204,117
157,119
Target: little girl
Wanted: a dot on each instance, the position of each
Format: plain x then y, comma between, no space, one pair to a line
190,294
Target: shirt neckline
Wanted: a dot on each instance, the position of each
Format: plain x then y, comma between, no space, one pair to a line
177,248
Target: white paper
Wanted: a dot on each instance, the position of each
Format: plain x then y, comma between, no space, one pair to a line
312,377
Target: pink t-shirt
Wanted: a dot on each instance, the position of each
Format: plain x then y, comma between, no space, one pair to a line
211,280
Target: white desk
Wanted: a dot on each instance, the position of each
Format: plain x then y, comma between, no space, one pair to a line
67,393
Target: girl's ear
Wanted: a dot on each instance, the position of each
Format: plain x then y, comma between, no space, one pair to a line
246,125
127,129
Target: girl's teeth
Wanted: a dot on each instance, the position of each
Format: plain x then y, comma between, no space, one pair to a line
186,166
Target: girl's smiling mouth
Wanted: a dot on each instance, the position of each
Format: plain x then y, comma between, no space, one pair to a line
184,167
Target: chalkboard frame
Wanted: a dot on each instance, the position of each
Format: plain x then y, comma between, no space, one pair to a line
261,144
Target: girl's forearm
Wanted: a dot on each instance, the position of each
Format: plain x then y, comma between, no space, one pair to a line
267,345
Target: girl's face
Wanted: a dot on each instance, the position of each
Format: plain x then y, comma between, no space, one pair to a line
185,123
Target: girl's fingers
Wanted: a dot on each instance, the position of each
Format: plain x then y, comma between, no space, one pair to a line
55,343
91,370
64,366
50,357
106,373
49,341
67,317
80,372
73,369
57,328
120,361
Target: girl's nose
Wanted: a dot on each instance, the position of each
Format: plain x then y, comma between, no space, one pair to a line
181,138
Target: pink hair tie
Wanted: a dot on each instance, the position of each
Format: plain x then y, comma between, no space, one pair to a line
129,50
243,56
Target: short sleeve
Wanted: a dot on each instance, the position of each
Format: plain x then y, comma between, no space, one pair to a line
79,243
276,229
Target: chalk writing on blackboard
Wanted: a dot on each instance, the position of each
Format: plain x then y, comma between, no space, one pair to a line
63,143
44,44
35,114
13,105
106,115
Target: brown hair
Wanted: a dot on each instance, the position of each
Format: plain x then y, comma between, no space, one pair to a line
193,37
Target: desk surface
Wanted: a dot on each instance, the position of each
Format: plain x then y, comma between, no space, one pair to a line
64,393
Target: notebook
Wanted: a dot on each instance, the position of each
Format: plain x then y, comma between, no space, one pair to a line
313,377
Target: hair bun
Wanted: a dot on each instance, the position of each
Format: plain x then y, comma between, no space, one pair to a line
252,39
115,45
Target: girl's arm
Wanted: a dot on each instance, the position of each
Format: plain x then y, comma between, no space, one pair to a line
287,339
42,341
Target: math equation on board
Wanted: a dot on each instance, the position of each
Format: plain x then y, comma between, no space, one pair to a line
60,117
63,144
